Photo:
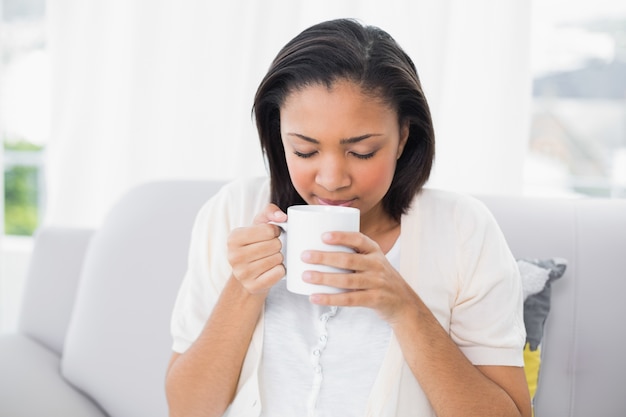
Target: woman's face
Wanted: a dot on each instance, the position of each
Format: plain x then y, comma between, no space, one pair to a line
341,146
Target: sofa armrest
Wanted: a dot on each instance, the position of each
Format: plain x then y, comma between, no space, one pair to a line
31,384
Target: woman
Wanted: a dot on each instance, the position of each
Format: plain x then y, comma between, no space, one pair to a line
432,324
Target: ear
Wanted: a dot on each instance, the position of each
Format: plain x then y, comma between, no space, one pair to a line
404,137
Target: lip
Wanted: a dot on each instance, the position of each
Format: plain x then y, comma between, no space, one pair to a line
329,202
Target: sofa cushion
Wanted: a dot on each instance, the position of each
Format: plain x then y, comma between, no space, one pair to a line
31,383
537,278
118,343
50,289
537,304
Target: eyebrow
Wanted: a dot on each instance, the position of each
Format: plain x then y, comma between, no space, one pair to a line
346,141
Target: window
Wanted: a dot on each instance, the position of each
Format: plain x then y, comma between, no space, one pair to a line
578,132
24,120
23,187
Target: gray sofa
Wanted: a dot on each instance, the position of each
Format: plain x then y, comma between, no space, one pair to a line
93,338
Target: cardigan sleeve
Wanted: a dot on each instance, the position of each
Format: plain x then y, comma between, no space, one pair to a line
208,270
486,320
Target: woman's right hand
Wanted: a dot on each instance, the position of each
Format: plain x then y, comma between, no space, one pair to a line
254,252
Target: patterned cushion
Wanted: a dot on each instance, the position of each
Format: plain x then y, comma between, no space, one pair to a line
537,278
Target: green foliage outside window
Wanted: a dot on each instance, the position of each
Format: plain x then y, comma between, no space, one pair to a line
21,194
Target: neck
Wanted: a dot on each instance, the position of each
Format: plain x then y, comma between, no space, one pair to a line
381,228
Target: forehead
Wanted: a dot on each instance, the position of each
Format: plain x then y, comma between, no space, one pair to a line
343,100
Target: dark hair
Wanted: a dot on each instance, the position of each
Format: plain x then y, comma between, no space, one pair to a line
371,58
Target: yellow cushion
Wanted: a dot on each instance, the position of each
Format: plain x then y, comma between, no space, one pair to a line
532,363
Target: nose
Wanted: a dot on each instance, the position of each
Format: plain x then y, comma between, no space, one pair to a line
333,174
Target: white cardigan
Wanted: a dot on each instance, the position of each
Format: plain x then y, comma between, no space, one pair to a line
453,255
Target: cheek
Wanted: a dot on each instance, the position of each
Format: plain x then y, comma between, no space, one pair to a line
378,176
300,175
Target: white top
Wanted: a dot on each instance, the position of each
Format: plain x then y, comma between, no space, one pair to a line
311,371
453,255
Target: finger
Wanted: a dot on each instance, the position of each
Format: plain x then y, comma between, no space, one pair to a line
264,244
388,304
245,236
266,270
268,278
344,299
271,213
348,280
355,240
344,260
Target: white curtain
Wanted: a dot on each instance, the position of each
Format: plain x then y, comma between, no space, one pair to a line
153,89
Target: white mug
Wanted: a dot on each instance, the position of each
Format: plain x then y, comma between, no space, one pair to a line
303,231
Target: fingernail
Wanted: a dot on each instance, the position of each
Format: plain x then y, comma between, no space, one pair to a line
305,256
327,236
315,298
279,214
306,276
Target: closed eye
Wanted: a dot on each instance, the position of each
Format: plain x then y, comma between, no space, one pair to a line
364,156
303,155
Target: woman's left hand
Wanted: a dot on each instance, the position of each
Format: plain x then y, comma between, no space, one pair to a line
374,282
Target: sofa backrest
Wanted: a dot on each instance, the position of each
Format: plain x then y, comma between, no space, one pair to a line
51,282
118,344
583,363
